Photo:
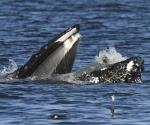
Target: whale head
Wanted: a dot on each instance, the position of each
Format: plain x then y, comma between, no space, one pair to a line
57,56
127,71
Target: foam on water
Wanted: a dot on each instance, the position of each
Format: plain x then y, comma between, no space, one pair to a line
109,56
9,69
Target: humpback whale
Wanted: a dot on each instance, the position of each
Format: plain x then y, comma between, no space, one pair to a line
56,57
54,61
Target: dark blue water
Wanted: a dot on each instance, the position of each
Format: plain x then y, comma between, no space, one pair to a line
26,25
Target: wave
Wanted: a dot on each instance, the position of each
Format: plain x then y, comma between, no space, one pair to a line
12,66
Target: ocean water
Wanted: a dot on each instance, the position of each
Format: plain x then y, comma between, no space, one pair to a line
25,25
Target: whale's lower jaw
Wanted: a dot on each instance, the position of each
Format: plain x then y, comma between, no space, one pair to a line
57,56
128,71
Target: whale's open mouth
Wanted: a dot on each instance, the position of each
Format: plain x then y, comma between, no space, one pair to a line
57,56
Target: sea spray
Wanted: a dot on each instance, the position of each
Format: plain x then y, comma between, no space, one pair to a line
9,69
109,56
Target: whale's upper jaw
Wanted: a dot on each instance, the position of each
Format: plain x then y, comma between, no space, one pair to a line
59,51
128,71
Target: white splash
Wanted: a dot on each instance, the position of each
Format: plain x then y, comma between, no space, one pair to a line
10,69
109,56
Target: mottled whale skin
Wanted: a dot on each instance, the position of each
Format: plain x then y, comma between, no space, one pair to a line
54,62
128,71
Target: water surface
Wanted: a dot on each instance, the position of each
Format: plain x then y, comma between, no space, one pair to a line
26,25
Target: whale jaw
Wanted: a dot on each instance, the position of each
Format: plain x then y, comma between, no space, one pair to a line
57,56
128,71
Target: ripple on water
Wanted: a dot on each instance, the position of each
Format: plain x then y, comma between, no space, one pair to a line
27,25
